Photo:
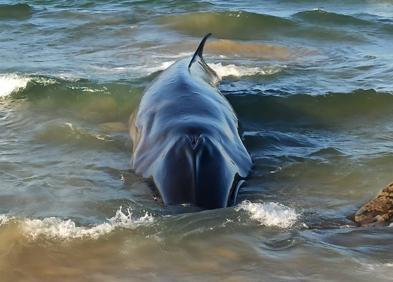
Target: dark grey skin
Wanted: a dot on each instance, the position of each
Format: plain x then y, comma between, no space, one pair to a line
185,137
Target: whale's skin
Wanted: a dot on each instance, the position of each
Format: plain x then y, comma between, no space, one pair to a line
185,137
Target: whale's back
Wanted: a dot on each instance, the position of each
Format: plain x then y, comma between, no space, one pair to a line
183,104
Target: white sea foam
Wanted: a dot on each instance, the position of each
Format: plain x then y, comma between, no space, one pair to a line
4,219
12,82
270,214
239,71
56,228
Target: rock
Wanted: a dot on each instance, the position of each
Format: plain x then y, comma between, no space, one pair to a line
378,211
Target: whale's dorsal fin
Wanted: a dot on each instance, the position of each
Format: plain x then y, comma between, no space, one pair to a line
199,50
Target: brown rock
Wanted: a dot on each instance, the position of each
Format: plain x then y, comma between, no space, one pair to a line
378,211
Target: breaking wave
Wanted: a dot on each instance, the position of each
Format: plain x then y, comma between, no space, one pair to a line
66,229
328,109
269,214
10,83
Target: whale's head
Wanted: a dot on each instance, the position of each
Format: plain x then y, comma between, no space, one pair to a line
196,171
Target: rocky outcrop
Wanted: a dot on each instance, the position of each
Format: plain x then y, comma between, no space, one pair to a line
378,211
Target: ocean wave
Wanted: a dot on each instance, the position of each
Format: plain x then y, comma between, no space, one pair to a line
235,25
225,70
85,99
114,101
54,228
320,16
250,26
10,83
25,86
270,214
66,229
15,11
319,110
221,69
66,133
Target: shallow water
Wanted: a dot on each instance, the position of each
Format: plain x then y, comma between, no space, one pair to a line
310,82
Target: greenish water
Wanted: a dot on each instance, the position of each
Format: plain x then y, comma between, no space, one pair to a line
310,82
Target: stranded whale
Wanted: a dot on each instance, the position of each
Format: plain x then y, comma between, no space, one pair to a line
185,137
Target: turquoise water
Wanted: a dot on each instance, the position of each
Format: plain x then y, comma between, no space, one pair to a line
310,82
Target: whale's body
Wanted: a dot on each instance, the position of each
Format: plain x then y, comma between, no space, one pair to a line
185,137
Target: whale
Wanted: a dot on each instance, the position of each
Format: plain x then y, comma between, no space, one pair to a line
185,137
